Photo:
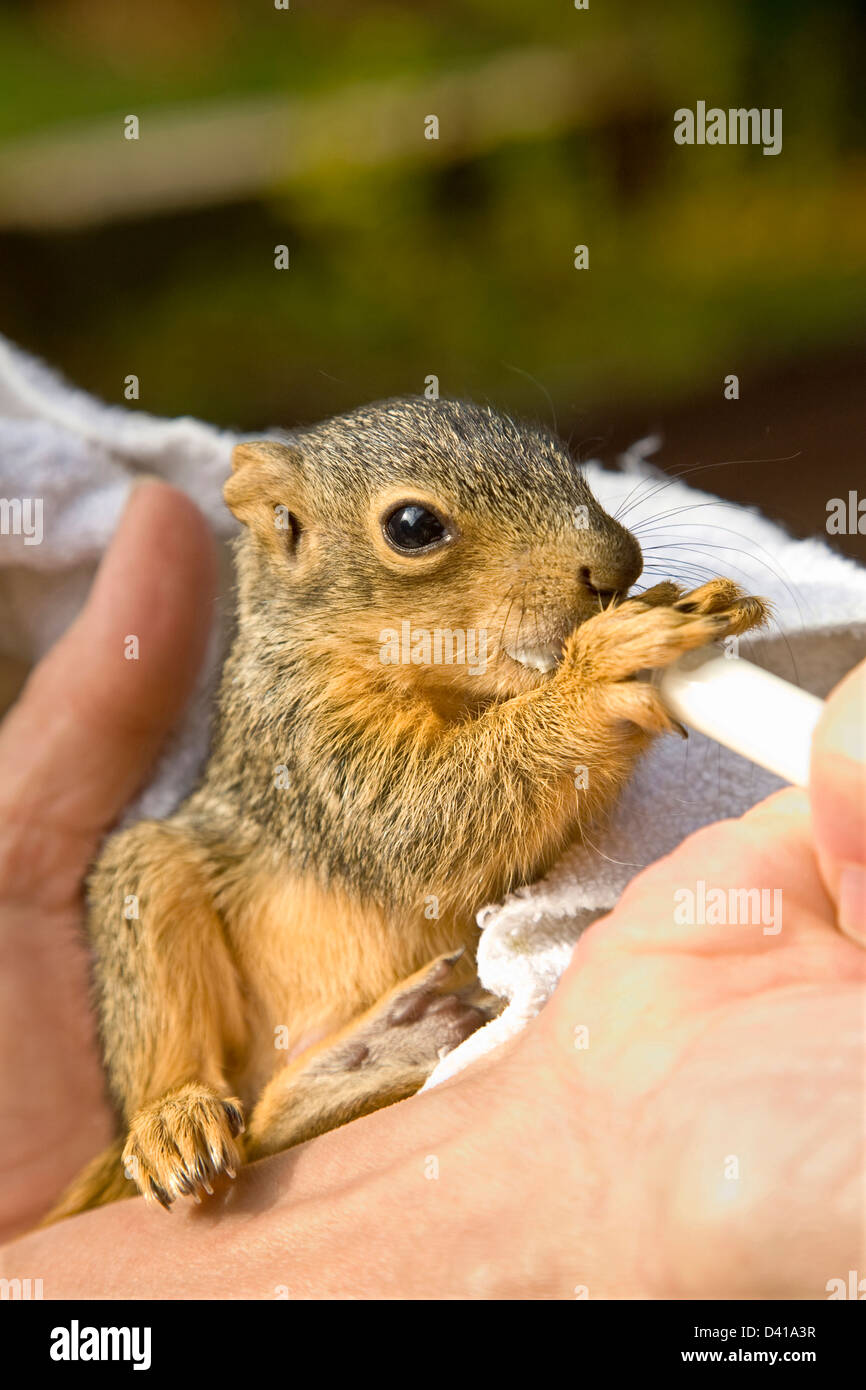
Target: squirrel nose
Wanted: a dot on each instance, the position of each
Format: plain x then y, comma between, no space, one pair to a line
614,574
594,583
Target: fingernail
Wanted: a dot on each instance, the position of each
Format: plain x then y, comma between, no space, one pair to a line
852,901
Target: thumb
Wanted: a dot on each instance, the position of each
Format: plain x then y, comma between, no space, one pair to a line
90,722
837,789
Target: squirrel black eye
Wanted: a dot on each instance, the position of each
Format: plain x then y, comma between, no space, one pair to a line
413,527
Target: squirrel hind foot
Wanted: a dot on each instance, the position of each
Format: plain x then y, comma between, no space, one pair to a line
424,1017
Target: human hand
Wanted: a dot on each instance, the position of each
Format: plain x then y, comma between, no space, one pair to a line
722,1088
73,751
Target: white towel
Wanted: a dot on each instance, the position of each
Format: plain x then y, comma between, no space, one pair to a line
82,458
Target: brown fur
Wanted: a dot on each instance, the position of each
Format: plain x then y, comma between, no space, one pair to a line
279,963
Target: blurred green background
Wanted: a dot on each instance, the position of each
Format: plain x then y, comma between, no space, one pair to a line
410,257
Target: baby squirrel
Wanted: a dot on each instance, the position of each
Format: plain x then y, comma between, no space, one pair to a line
296,953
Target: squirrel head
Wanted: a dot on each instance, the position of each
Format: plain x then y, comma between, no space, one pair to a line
436,545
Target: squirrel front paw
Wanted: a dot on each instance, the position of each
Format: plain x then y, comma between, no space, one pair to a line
657,627
607,651
179,1144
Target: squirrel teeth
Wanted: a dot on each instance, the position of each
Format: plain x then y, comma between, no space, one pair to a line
537,658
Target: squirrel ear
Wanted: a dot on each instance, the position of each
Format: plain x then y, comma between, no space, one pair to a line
266,489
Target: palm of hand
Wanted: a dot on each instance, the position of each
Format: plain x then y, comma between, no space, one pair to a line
707,1064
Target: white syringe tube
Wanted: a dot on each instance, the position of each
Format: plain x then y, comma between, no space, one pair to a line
757,714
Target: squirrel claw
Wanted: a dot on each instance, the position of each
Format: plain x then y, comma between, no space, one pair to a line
180,1144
